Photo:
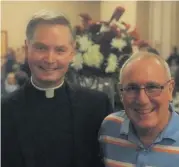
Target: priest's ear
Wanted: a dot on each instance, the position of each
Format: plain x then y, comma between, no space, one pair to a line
26,48
73,48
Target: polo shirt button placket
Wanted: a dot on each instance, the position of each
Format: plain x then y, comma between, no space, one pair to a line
146,151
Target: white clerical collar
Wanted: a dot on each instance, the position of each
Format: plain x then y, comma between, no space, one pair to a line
49,92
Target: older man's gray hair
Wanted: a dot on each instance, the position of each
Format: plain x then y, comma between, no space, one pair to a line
146,55
47,17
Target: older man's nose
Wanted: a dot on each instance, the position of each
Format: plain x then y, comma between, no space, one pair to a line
142,96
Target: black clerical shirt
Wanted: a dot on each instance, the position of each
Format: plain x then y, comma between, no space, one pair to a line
58,132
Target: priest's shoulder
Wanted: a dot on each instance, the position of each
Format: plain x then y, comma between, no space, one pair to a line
13,99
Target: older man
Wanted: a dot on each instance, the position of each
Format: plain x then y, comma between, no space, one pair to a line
48,122
147,133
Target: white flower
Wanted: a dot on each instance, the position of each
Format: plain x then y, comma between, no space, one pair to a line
123,35
120,26
112,63
93,56
77,61
104,28
118,43
84,42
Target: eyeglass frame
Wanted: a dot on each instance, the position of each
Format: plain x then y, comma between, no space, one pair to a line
144,87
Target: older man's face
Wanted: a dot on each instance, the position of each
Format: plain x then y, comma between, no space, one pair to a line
146,110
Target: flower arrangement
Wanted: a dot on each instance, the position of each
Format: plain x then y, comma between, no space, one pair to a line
102,47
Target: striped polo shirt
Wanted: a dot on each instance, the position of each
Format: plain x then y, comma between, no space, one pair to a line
121,147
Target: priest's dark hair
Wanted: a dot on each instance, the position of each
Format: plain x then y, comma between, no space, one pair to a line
47,17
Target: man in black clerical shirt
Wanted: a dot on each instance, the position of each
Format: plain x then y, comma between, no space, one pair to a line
48,122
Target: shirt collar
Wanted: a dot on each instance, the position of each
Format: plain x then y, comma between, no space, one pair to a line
125,127
170,132
44,89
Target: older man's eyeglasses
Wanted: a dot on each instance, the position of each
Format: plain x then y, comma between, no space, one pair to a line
151,89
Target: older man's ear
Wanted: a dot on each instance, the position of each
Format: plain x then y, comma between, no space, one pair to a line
119,92
171,89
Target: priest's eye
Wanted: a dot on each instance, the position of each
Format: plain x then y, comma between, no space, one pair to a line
40,48
60,50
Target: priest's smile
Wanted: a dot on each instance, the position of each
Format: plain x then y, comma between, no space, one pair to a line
48,69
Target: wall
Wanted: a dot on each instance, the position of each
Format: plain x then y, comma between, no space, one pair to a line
177,25
163,25
15,15
142,19
156,21
107,8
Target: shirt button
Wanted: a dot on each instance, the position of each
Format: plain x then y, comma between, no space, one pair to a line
146,151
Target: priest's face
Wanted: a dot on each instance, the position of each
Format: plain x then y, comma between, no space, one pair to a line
49,53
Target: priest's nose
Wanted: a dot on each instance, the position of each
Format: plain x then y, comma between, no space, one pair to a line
50,58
